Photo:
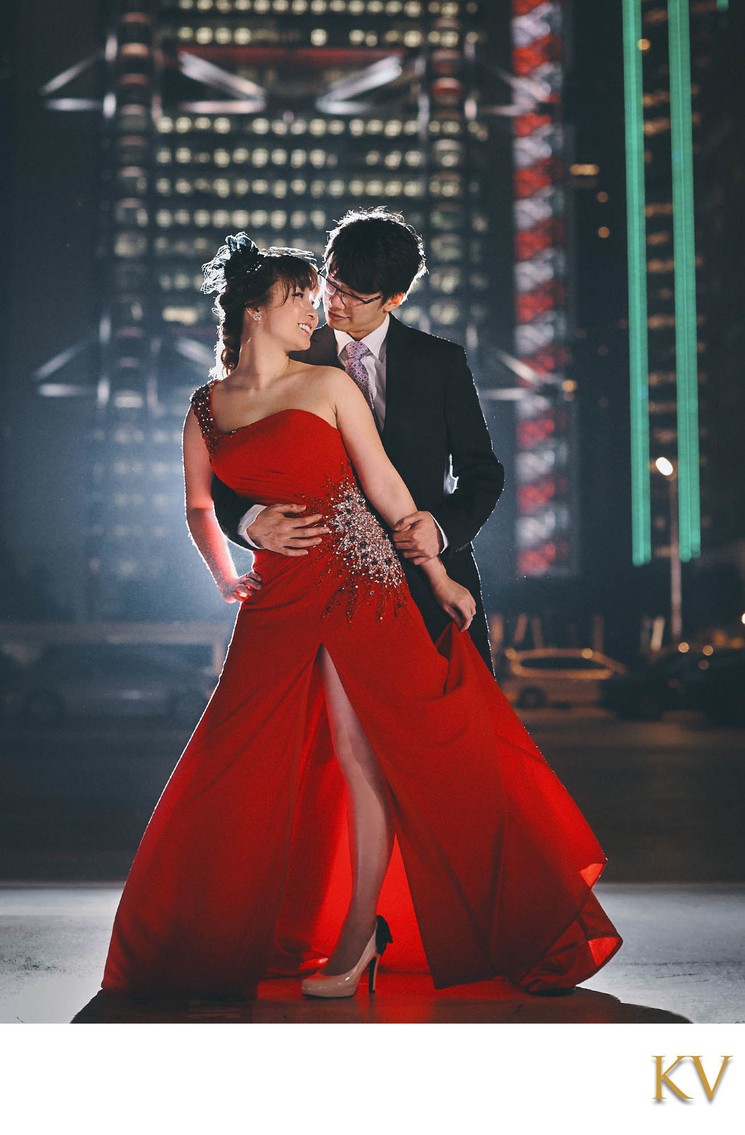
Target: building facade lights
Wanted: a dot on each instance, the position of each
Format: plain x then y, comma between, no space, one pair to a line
203,160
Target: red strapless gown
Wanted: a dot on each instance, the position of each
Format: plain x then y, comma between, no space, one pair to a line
243,869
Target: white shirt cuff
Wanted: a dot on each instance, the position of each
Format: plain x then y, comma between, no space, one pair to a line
442,534
247,520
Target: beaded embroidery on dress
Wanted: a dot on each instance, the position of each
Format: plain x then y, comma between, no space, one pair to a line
200,400
367,561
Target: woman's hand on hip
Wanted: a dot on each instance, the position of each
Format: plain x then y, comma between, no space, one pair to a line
239,588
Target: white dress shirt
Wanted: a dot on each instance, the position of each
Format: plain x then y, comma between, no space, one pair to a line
374,364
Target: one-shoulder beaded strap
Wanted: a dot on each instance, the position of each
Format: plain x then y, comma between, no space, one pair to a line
201,402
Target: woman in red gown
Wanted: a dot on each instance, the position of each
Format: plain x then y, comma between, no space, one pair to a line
458,829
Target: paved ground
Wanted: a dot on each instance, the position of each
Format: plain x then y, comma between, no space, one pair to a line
683,960
667,800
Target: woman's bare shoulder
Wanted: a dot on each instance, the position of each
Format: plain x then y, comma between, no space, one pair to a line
322,373
328,379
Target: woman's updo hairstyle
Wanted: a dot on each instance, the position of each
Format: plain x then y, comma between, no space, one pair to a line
243,276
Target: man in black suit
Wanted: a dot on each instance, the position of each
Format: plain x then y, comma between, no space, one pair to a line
423,397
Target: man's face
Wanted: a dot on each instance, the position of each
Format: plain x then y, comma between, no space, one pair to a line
354,312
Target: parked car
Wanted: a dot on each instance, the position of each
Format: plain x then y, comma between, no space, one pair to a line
718,689
653,686
537,678
102,680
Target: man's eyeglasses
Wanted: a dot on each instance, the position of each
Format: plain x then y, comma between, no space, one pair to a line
348,299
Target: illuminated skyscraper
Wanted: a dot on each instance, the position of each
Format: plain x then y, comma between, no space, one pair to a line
273,116
276,116
671,328
721,166
668,50
546,432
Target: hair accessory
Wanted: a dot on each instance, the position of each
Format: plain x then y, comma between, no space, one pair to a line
236,259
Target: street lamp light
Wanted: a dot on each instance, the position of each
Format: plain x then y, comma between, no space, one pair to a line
668,471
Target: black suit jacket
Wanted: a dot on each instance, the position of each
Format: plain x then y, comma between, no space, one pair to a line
434,427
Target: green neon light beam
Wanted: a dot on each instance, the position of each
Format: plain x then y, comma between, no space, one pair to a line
684,249
641,523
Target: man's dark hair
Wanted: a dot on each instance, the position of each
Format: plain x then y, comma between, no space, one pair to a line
372,250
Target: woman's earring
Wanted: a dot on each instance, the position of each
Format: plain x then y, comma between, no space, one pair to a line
256,317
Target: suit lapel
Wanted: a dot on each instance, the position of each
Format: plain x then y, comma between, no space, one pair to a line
396,370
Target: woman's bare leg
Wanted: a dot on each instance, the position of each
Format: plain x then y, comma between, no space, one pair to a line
370,826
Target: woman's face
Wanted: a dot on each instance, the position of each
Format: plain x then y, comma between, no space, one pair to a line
293,319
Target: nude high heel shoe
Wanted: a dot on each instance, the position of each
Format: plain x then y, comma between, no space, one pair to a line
345,984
